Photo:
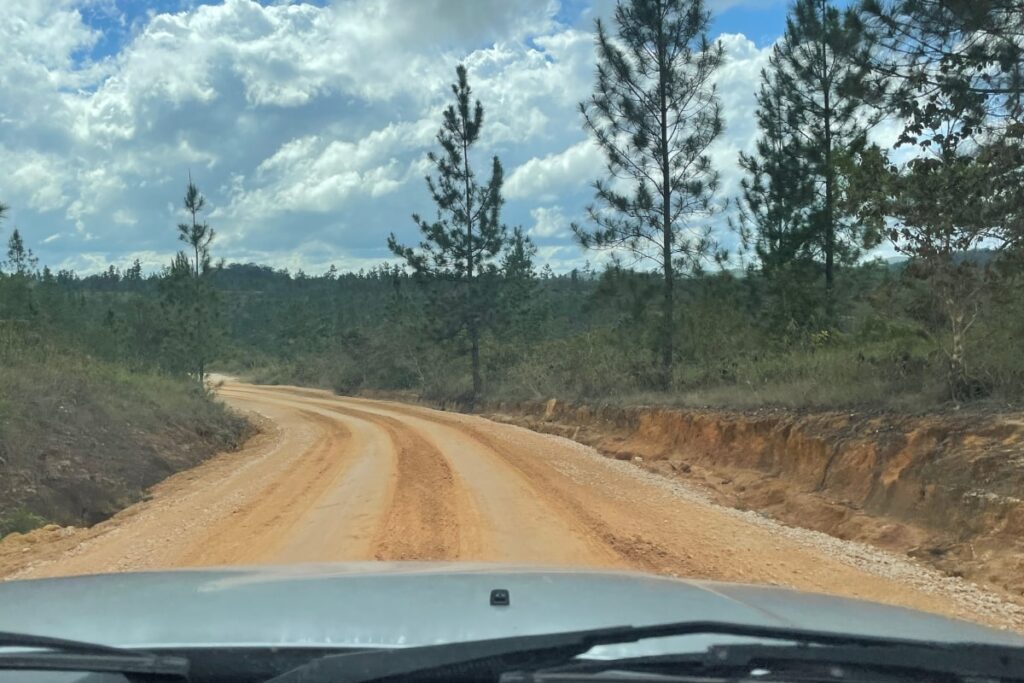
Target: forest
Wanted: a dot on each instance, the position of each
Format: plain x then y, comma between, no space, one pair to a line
801,315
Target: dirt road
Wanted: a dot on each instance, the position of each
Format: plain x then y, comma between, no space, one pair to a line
336,479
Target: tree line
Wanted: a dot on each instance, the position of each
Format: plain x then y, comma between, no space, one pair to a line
818,192
467,314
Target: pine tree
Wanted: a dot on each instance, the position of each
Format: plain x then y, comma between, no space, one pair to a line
133,274
654,113
456,257
776,202
518,283
196,234
820,79
778,194
517,261
189,299
20,260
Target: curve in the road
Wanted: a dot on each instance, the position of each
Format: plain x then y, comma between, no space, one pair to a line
340,479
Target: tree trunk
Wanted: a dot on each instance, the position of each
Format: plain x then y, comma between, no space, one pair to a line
474,331
959,384
668,315
957,364
830,228
668,301
474,337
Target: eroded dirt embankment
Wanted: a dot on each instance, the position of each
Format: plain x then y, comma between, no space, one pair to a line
947,489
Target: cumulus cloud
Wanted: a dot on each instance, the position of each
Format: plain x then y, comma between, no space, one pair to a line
306,125
549,221
545,178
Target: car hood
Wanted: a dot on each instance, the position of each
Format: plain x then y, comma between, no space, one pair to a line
389,605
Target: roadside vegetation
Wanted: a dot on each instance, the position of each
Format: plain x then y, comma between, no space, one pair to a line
98,391
801,316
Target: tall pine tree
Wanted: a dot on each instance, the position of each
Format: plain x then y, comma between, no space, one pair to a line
190,303
456,259
654,113
816,83
777,199
20,259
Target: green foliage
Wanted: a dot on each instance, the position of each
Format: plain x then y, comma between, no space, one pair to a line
191,309
21,262
953,72
655,113
943,325
19,521
943,60
813,111
456,261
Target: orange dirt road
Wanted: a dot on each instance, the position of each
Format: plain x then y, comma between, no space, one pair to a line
342,479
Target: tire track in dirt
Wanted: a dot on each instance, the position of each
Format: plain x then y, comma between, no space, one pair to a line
651,527
524,522
426,509
344,479
422,522
256,530
634,550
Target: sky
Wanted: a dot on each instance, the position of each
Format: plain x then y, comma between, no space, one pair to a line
307,124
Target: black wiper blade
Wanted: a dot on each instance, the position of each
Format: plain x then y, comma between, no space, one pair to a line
489,658
57,644
480,656
960,660
43,653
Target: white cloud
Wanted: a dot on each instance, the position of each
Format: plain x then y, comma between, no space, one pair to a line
737,81
549,221
546,177
307,127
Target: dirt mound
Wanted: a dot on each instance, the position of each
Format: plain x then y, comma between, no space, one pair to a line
946,489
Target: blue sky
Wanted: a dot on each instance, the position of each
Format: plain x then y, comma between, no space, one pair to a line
306,124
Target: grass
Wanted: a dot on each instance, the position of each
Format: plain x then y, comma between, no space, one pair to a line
19,521
81,438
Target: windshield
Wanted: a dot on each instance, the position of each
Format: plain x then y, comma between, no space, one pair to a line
408,323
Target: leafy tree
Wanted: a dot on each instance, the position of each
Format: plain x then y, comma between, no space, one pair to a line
938,210
815,110
456,257
955,75
953,71
945,58
654,113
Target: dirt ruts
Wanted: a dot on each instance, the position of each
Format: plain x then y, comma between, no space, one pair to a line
342,479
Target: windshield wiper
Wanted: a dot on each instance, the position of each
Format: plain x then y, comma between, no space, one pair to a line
489,659
42,653
899,659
